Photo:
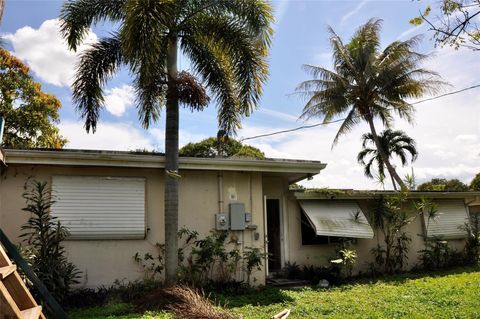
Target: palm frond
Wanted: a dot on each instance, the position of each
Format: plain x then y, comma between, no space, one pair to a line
207,61
95,67
77,16
246,56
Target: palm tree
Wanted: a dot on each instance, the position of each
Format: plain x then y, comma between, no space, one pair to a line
226,41
368,83
394,143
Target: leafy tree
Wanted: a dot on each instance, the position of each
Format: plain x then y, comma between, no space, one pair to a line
30,114
456,23
43,235
442,184
475,183
213,147
226,41
368,83
394,143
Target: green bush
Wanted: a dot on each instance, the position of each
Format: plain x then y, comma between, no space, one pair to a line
214,147
43,236
475,183
444,185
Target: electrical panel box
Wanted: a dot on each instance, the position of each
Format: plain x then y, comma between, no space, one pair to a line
237,216
221,222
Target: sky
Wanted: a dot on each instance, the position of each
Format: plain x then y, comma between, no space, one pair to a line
447,130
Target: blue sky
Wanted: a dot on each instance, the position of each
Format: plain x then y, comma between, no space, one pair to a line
447,130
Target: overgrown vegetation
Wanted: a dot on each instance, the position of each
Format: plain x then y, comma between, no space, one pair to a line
220,147
448,294
390,219
43,236
215,259
472,247
444,185
475,183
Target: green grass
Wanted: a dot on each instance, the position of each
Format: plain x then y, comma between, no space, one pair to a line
453,294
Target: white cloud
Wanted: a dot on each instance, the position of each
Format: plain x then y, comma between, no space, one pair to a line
353,12
466,138
109,136
410,32
118,99
46,53
280,115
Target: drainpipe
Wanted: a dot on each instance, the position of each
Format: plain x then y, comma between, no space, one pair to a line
220,192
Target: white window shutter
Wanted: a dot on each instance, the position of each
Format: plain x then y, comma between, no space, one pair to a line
100,207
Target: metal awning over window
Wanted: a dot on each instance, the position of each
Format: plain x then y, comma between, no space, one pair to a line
450,222
337,218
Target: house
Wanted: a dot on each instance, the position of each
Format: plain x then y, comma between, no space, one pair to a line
112,203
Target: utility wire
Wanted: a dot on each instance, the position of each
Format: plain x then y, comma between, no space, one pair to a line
342,119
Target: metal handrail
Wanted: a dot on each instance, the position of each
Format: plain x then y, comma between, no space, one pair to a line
52,304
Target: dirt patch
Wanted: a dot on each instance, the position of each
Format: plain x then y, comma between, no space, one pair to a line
183,301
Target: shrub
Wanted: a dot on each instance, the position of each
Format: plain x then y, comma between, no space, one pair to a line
475,183
389,218
226,147
436,254
43,236
208,261
347,258
472,247
442,184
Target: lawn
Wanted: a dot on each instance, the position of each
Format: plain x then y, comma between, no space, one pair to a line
453,294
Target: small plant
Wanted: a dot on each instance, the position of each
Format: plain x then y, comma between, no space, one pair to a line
347,258
436,254
152,266
291,270
43,236
253,260
472,247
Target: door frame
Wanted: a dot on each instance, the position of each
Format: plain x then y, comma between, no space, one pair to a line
281,204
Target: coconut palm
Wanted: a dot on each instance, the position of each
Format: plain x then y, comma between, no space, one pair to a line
368,84
395,143
226,41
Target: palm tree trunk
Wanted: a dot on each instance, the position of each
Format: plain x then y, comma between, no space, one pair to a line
383,154
393,182
171,166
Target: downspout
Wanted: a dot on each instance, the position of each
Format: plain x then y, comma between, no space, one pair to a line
220,192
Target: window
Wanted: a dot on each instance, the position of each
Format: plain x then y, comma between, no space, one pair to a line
336,218
450,222
100,207
309,237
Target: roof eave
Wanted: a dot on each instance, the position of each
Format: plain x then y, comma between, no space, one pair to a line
125,159
337,194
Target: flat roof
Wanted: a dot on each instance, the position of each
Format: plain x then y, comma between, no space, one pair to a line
330,193
298,169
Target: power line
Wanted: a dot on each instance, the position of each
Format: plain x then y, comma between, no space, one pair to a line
342,119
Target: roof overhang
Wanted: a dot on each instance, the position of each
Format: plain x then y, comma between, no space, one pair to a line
296,169
365,194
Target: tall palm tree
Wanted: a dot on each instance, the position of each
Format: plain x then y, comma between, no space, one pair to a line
394,143
226,41
368,83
